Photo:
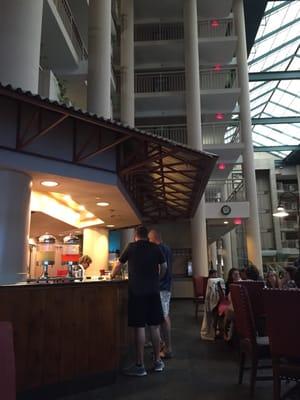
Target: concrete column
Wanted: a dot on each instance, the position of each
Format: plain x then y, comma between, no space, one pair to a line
127,236
274,201
213,250
20,43
127,62
99,62
193,113
252,225
234,252
227,256
95,245
298,176
14,225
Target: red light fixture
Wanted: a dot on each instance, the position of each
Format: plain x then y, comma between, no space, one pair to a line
221,166
214,23
219,116
218,67
237,221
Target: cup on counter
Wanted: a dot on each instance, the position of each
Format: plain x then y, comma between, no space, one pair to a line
102,272
107,276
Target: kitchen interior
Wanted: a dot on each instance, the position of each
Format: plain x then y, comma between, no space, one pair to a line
71,218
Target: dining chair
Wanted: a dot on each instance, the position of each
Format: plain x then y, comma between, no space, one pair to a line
200,285
7,362
255,290
251,345
283,326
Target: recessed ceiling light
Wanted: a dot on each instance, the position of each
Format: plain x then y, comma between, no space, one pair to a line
110,226
49,183
102,204
226,222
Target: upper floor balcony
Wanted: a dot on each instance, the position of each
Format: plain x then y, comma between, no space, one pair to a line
219,138
162,43
62,46
224,191
163,93
213,134
210,79
215,28
145,9
69,22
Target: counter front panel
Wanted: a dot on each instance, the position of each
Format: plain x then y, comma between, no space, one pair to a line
65,332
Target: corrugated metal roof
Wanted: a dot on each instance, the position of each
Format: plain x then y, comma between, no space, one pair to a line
64,107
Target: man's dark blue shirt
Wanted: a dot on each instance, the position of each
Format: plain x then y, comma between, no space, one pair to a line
165,282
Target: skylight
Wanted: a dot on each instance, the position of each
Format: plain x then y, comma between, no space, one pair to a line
276,48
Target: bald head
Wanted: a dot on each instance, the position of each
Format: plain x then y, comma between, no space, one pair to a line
154,236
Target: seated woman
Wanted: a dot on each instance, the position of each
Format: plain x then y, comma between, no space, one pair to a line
225,308
272,280
288,280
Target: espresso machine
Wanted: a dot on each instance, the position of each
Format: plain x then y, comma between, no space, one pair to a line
46,254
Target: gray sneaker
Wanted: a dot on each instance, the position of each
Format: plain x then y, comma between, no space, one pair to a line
158,366
135,370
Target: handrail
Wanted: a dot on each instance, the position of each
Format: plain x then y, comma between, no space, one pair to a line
177,133
160,31
225,190
68,20
216,28
290,244
212,133
149,82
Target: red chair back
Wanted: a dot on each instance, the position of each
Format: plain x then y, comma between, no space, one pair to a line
255,293
283,321
244,320
7,362
200,285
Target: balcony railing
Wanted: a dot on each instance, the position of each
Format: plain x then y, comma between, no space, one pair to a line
175,30
177,133
212,133
159,82
218,79
163,31
216,28
288,225
220,133
290,244
225,190
67,18
287,187
175,81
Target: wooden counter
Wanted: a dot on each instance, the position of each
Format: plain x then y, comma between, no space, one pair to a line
67,334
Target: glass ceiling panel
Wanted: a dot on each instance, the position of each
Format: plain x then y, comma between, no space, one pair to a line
276,48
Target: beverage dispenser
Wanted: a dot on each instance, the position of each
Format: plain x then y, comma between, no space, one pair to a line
46,253
70,254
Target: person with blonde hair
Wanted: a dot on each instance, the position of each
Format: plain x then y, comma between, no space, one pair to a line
84,263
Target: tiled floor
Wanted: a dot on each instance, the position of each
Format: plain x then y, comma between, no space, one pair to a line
200,370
